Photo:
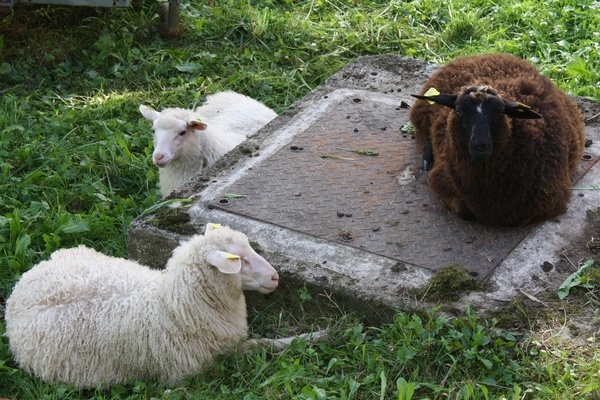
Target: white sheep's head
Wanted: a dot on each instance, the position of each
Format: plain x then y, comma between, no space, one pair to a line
479,111
236,256
172,128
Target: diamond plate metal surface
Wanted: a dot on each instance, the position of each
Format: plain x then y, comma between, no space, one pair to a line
380,204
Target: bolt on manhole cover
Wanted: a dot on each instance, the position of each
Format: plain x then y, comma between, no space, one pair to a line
354,178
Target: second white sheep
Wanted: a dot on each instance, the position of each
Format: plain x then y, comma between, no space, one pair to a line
187,141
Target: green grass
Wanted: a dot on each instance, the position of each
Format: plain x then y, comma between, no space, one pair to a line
75,163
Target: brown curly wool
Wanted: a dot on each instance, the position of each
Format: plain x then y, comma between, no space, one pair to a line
506,140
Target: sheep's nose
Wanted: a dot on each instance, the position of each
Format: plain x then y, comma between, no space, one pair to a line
275,277
481,151
482,148
159,159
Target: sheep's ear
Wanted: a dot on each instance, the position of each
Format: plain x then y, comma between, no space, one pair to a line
448,100
519,110
149,113
225,262
197,124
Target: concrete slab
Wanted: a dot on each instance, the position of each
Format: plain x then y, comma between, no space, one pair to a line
366,229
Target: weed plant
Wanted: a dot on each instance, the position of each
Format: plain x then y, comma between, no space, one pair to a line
75,168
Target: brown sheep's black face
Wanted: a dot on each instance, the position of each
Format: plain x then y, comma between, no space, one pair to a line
479,111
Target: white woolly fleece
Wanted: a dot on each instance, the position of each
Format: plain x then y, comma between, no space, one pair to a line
87,319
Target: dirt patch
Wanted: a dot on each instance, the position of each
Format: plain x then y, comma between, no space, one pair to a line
575,318
585,247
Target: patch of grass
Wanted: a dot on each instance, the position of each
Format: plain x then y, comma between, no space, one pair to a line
75,168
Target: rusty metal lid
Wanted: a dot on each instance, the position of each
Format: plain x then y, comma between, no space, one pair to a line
375,199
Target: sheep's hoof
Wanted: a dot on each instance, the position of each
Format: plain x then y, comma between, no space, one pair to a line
426,164
466,214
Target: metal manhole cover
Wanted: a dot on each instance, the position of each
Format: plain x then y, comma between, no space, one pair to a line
380,204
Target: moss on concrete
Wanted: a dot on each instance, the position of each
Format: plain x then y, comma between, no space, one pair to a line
448,284
175,220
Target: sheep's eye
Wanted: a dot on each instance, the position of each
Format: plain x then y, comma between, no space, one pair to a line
182,133
458,111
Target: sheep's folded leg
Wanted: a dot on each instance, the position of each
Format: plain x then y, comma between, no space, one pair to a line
427,155
281,343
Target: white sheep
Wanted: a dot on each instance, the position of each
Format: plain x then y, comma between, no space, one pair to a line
186,141
86,319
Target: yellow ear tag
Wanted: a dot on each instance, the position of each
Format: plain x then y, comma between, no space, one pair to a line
431,92
522,105
213,226
231,256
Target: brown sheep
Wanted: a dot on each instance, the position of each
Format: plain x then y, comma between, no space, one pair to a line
505,144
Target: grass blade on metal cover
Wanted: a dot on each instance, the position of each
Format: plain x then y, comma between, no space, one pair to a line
162,204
